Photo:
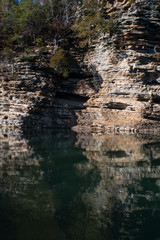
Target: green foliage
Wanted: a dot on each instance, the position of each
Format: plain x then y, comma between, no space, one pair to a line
39,42
32,22
110,25
88,27
7,53
29,23
60,63
8,10
91,22
130,2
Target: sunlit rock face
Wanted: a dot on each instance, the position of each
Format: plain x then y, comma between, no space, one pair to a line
120,75
129,98
129,190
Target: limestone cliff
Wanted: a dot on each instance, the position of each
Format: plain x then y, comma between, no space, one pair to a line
115,86
129,98
32,95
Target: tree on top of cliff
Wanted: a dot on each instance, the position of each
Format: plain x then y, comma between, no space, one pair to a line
7,18
23,22
92,20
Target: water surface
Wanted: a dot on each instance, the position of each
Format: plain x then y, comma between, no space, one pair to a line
56,185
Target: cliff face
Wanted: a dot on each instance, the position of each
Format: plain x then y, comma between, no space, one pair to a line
33,96
129,98
23,85
120,75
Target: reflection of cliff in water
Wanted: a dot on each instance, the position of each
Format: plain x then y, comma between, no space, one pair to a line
26,202
50,190
42,179
130,183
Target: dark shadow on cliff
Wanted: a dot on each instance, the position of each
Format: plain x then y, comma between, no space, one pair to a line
56,98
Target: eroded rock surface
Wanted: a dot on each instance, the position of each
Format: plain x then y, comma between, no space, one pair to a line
118,79
32,95
129,98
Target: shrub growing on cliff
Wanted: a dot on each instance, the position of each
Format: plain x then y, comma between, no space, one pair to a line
111,24
130,2
7,53
88,27
92,21
60,63
39,42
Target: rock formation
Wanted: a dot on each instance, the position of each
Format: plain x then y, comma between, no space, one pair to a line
118,79
129,98
32,95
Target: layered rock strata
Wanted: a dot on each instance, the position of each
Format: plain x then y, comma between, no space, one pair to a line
23,84
120,75
129,98
33,96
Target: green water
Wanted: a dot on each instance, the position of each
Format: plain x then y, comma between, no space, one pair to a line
56,185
